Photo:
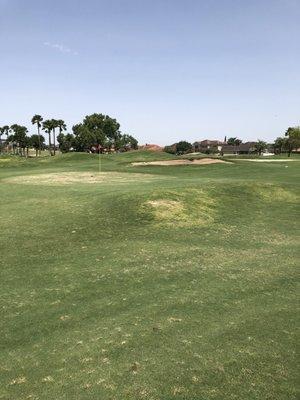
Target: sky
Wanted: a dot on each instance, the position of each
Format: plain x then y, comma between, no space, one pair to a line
167,70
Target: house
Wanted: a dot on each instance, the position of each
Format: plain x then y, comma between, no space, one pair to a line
98,149
243,148
151,147
208,146
6,146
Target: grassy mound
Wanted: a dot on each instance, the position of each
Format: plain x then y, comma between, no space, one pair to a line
193,207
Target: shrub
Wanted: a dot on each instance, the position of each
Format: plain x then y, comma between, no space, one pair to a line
170,149
183,147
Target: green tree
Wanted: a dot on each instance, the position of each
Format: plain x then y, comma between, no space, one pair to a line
133,142
19,135
36,141
102,131
95,123
293,139
170,149
65,142
280,145
183,147
111,129
260,146
126,142
84,138
231,141
234,141
37,120
47,126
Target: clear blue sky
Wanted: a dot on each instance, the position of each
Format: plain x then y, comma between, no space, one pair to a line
166,69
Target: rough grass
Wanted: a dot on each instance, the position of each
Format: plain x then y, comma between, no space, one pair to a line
69,178
271,193
180,287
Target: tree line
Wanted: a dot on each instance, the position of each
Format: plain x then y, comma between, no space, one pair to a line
287,144
290,142
97,133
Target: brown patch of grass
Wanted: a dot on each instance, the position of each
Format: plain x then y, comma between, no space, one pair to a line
193,208
167,209
68,178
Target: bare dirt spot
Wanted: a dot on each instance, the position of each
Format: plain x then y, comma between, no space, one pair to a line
69,178
201,161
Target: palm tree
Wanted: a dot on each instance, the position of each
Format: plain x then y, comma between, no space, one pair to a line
37,119
260,146
61,125
54,123
47,127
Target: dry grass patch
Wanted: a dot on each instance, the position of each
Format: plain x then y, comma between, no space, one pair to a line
69,178
192,208
167,209
272,193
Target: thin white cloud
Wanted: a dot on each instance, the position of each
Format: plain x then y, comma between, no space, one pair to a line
61,48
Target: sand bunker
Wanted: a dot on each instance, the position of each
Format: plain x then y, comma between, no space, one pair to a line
68,178
201,161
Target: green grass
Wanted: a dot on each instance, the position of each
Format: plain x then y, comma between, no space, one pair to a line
181,285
